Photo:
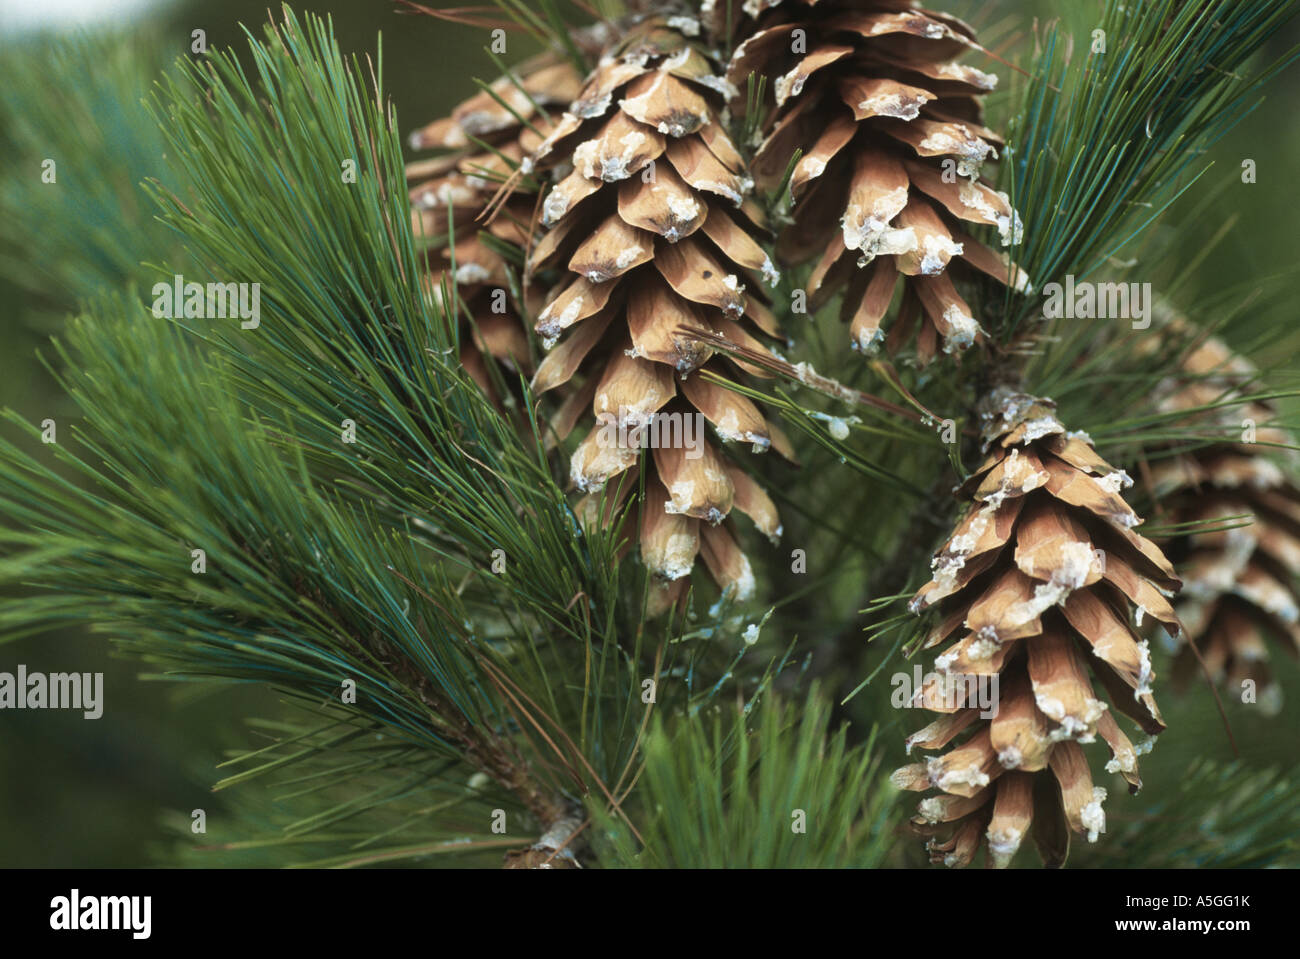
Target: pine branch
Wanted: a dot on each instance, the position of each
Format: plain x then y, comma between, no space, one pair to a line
341,792
327,563
784,794
1103,142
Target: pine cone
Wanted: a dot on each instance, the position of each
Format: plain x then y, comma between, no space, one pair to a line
651,236
1241,583
1041,575
449,193
889,127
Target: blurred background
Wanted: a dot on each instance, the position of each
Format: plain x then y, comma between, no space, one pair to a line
101,793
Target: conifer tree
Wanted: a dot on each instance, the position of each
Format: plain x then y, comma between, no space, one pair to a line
368,414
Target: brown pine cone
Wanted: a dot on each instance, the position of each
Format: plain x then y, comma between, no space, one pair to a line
892,148
1242,567
1046,584
651,237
